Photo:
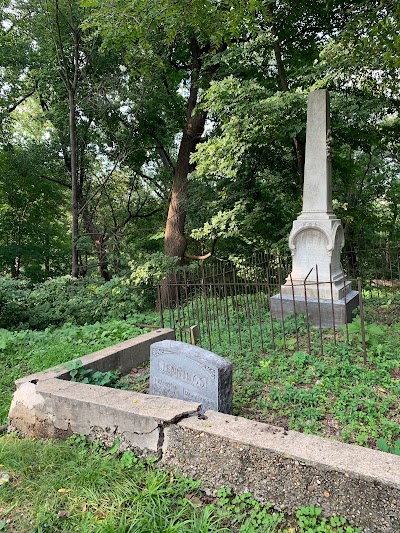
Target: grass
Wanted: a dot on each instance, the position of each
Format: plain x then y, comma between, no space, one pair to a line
332,392
79,487
76,486
332,395
25,352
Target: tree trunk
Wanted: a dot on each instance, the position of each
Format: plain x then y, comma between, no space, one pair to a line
99,241
102,259
74,183
47,258
13,268
298,143
175,242
174,239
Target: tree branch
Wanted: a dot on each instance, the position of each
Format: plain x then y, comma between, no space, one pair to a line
205,256
22,99
151,180
102,185
165,158
47,178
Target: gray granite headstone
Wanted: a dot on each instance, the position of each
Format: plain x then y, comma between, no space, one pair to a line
180,370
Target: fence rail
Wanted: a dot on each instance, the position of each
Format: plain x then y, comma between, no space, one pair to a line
230,304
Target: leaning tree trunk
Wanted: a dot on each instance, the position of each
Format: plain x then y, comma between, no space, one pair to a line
174,238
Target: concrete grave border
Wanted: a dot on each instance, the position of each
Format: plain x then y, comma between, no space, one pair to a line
286,468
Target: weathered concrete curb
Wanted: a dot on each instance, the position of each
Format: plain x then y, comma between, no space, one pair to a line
285,468
288,468
58,408
46,404
122,356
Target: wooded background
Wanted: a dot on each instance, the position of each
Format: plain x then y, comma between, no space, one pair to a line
149,133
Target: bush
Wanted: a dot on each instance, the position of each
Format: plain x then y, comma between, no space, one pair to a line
14,296
68,300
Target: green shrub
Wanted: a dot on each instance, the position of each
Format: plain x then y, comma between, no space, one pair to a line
68,300
14,296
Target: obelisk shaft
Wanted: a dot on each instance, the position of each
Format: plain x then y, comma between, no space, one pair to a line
317,192
317,285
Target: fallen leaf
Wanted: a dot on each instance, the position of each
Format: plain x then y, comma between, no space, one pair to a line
63,514
63,491
171,478
84,508
4,478
194,499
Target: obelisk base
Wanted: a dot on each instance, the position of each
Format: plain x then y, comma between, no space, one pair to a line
333,312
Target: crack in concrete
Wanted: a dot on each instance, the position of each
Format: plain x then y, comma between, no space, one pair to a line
173,421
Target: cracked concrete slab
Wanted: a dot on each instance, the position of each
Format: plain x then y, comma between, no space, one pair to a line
286,468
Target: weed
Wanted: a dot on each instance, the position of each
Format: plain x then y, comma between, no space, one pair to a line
111,378
245,512
310,520
81,486
384,447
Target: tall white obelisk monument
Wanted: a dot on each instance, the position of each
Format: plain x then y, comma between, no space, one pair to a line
317,237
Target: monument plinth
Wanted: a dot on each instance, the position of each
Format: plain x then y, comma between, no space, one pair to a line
317,237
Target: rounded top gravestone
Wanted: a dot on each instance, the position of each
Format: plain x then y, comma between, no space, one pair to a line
187,372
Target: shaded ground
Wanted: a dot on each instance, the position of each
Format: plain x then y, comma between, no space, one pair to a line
332,394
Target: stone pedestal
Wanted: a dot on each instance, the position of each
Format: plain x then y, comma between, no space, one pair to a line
333,312
317,237
316,246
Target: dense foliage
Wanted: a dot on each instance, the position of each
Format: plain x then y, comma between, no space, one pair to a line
65,300
179,128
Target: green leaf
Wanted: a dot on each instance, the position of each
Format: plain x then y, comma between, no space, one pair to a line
382,445
115,447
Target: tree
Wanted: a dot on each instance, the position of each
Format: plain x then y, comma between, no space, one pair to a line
260,109
177,47
81,93
32,215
